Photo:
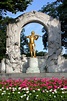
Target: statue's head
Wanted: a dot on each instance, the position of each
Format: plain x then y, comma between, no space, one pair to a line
32,32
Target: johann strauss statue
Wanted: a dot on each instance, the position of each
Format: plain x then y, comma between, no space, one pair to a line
31,44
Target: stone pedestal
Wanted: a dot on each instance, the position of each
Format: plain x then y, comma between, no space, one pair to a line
33,66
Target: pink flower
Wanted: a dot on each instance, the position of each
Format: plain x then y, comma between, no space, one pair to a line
65,87
43,91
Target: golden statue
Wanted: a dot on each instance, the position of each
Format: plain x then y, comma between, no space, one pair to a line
32,45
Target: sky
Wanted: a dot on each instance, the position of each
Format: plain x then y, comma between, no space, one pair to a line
35,5
37,28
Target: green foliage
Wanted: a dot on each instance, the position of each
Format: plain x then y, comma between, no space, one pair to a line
23,43
14,5
58,9
11,6
3,25
50,9
41,53
65,56
28,54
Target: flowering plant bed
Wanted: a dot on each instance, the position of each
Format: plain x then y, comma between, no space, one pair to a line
34,89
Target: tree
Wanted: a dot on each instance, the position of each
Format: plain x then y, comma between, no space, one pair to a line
3,25
23,43
45,39
58,9
13,6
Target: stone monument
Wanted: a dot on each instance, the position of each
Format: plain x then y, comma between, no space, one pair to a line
13,62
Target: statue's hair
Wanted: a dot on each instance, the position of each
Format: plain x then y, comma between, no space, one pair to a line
33,32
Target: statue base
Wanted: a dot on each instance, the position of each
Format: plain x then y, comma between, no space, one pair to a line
33,66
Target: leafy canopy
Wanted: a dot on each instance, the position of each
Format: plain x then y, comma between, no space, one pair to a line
14,5
11,6
58,9
24,49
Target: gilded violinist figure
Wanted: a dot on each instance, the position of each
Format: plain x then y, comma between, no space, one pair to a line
31,44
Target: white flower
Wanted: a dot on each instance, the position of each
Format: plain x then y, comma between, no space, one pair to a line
27,91
43,91
33,90
21,96
49,95
18,92
38,89
9,93
27,98
54,96
13,89
9,87
0,89
24,95
2,93
62,92
55,91
37,95
27,88
19,88
24,89
47,91
50,90
62,88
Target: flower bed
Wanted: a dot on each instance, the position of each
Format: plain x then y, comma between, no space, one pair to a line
34,89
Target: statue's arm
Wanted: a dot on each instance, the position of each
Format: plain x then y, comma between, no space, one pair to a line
36,37
27,36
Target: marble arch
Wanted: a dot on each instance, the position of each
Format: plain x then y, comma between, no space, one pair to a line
13,61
